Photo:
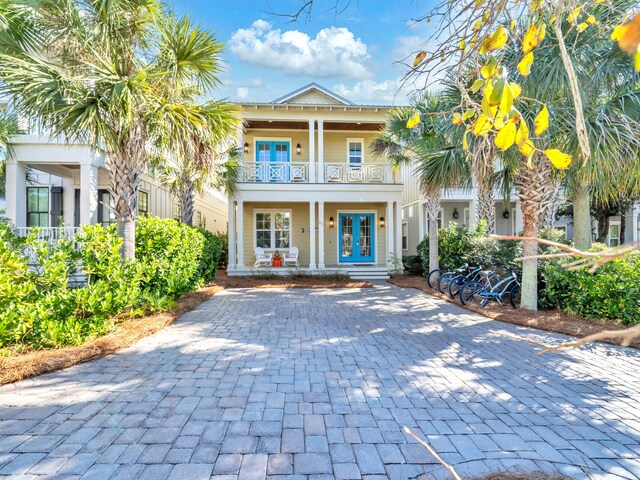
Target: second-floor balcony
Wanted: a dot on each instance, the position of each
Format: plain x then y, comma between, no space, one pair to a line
305,172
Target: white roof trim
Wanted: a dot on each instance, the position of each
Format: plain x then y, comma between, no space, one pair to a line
309,87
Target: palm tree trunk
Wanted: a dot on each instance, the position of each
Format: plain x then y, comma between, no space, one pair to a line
603,228
125,182
187,201
581,217
623,225
433,207
486,209
552,203
530,183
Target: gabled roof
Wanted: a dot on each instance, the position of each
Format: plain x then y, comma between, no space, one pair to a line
297,96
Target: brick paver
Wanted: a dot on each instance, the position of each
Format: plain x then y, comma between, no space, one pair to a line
311,384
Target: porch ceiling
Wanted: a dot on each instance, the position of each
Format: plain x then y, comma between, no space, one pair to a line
293,125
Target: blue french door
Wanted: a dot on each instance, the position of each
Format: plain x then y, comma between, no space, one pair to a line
357,237
270,157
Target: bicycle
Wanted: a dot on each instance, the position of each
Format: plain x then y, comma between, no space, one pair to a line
446,278
476,273
482,293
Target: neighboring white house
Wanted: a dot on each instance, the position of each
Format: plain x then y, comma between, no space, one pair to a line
459,206
309,184
50,184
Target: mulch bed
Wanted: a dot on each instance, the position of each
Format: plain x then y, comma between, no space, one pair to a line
555,321
291,281
124,334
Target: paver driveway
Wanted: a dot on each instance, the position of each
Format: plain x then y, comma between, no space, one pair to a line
317,384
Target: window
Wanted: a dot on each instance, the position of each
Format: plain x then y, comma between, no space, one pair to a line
37,206
201,220
354,151
273,229
143,202
614,234
405,236
105,205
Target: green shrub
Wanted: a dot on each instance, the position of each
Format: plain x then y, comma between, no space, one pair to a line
212,251
224,253
612,292
170,255
39,307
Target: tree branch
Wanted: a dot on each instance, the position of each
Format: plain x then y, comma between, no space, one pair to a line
433,453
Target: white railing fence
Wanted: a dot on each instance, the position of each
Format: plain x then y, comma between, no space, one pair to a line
349,173
278,172
295,172
49,234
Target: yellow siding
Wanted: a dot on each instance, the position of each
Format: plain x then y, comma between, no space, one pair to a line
335,144
300,220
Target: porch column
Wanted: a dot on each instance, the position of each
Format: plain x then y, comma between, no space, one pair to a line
518,213
397,223
312,235
89,194
68,201
473,213
321,235
16,192
634,221
320,174
389,234
231,232
312,151
421,223
240,229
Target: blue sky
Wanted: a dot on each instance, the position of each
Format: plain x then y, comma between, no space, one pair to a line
352,53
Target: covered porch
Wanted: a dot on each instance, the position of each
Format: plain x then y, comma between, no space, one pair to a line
329,236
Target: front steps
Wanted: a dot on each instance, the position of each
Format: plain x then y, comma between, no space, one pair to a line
368,272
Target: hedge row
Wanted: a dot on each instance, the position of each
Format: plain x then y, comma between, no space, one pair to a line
41,308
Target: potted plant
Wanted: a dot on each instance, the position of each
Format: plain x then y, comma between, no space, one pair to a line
277,259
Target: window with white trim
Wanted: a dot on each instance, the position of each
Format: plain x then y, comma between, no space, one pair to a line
355,153
273,229
405,236
614,234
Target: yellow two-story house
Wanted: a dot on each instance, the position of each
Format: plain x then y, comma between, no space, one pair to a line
311,196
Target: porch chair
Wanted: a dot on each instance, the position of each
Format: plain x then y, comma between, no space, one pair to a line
291,257
262,257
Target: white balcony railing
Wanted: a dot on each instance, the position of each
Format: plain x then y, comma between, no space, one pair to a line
48,234
295,172
350,173
275,172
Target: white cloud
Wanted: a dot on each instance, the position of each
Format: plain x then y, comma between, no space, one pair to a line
377,93
334,52
242,93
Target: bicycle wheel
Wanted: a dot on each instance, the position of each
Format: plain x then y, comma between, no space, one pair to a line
432,279
514,296
456,285
445,280
474,293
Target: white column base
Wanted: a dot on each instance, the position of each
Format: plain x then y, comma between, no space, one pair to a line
321,264
312,235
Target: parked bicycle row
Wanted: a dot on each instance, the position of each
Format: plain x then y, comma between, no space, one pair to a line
479,285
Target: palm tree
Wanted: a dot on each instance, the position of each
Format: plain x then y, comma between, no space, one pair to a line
201,158
433,151
99,75
611,103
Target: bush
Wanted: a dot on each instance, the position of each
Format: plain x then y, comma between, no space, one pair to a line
612,292
39,307
170,254
413,265
224,253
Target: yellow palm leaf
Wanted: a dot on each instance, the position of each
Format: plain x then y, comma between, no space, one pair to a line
413,121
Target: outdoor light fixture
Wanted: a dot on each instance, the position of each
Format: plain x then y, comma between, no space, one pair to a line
456,215
298,149
381,222
246,147
506,213
331,222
